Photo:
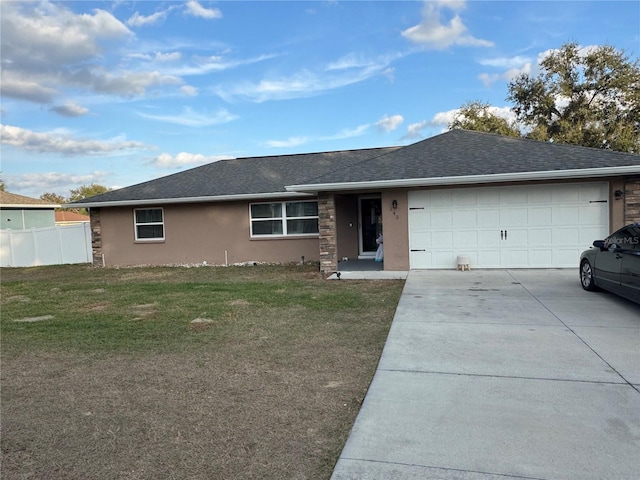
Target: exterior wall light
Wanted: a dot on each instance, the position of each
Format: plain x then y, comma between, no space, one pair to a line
394,204
618,194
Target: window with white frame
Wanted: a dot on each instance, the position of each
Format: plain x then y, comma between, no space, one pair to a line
284,218
149,224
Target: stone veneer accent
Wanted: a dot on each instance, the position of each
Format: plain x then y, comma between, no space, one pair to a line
632,201
327,230
96,237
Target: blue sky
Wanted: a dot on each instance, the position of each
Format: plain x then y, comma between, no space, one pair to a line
122,92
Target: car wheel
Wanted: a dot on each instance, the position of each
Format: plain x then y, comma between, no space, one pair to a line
586,276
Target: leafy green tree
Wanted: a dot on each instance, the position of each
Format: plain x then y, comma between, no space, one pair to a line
86,191
53,198
587,97
478,116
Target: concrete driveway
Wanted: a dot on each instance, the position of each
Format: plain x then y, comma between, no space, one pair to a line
498,374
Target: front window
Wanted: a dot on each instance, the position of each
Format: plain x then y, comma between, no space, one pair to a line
149,224
284,218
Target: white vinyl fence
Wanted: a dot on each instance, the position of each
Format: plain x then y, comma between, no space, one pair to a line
46,246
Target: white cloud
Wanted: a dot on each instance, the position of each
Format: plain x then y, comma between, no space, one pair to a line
348,133
444,119
49,34
214,63
197,10
505,62
289,142
515,66
20,86
190,118
415,130
435,32
53,142
168,57
388,124
158,57
189,90
137,20
184,159
47,48
304,83
297,141
125,84
70,110
35,184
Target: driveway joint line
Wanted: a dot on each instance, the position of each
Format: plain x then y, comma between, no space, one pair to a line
482,375
574,332
464,470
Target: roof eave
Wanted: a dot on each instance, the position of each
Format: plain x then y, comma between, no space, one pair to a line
468,179
183,200
28,206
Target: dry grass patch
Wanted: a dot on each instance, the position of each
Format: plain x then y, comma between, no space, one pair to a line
269,389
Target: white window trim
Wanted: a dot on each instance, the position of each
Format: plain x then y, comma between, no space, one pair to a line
283,218
136,225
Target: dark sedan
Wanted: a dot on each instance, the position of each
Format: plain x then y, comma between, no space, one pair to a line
613,264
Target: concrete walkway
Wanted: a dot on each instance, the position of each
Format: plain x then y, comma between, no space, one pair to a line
502,374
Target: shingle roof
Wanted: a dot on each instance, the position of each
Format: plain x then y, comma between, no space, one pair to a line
14,199
69,216
457,153
240,176
469,153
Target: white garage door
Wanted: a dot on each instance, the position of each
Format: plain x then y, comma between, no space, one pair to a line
538,226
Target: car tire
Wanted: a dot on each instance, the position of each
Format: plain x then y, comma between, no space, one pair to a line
586,276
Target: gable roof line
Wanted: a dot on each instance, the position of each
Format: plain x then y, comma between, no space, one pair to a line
178,200
468,179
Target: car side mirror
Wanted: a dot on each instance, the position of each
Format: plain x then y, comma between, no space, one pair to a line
599,244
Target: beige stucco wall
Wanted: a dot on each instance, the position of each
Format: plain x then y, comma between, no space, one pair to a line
395,228
195,233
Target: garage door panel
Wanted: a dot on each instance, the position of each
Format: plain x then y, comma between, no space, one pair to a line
512,217
489,218
569,215
593,214
466,239
466,198
421,258
516,237
466,218
515,258
567,256
539,216
541,236
512,196
594,192
488,258
442,238
546,225
566,236
540,197
444,258
489,198
442,219
541,258
589,234
489,238
441,198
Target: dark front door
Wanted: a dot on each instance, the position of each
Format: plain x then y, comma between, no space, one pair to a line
370,225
